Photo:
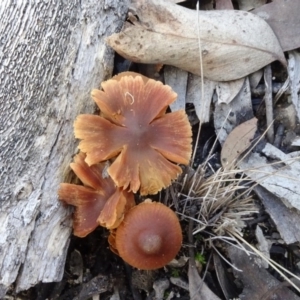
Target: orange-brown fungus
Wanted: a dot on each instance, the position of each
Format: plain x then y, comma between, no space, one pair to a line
112,241
98,196
134,128
115,208
149,237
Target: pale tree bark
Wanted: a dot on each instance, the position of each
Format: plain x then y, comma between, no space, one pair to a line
52,53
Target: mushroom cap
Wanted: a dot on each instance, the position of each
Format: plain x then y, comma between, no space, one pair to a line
129,73
112,241
149,237
134,128
115,208
98,202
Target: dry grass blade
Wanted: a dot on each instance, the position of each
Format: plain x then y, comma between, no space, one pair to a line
202,80
221,199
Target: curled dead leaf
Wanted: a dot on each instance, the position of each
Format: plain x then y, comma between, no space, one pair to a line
234,43
237,142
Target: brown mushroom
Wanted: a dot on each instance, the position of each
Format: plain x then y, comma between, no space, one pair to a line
149,237
98,202
112,241
130,73
134,128
115,208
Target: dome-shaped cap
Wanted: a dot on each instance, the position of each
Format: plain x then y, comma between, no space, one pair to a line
149,237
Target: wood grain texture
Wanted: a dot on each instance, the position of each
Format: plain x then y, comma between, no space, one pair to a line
52,54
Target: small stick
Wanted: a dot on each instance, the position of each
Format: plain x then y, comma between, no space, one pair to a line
269,103
202,82
279,136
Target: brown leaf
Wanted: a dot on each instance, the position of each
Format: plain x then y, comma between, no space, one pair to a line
238,141
224,4
283,17
224,277
234,43
228,116
258,283
197,288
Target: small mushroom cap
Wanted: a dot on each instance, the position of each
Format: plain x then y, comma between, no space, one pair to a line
149,237
134,128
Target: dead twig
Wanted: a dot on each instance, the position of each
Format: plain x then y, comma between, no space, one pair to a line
269,103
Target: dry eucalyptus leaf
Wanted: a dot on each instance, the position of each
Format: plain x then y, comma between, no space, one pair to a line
255,78
286,220
234,43
189,90
180,282
177,80
281,179
258,283
237,142
263,247
294,75
224,4
197,287
228,287
283,17
250,4
226,91
194,95
229,116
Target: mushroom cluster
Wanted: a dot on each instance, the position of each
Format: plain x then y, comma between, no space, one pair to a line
144,146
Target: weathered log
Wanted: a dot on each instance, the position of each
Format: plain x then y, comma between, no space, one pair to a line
52,53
